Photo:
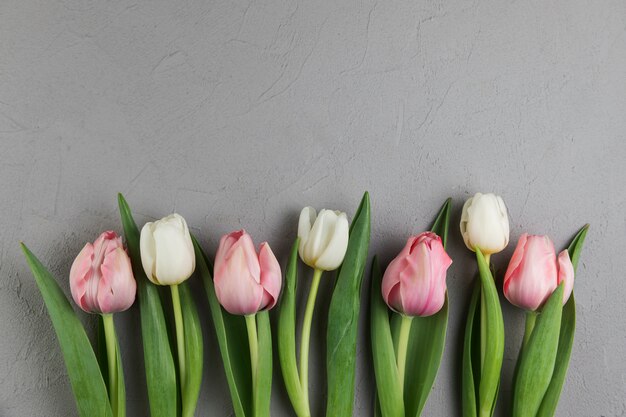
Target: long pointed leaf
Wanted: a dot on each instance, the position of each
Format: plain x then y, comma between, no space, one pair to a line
442,222
425,350
234,350
80,360
389,392
537,359
494,331
121,384
470,375
566,337
159,362
343,317
287,335
193,351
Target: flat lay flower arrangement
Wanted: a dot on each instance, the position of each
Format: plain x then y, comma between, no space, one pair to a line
244,284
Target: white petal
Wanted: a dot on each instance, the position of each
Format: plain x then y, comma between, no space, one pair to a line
174,260
147,248
320,236
335,251
307,218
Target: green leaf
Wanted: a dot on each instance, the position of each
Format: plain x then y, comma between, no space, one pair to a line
389,392
193,351
159,362
470,371
442,222
287,334
566,337
80,360
343,317
264,372
232,340
494,338
537,358
426,343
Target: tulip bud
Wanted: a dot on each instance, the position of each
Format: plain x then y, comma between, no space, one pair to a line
414,283
167,252
245,282
101,277
485,223
534,273
323,238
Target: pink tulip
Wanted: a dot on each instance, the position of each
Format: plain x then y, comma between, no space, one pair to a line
245,282
534,272
101,277
414,283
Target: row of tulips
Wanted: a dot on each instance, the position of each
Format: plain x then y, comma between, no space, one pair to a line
408,314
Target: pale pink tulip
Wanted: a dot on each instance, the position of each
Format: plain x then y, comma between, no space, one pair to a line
414,283
245,282
101,277
534,273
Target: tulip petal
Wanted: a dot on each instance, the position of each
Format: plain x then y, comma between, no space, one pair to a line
319,237
148,251
566,274
271,278
174,263
237,291
306,221
533,273
415,282
252,260
117,287
336,248
80,274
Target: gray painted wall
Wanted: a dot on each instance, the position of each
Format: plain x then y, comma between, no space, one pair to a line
237,113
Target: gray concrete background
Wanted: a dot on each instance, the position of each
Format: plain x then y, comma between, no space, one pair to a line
237,113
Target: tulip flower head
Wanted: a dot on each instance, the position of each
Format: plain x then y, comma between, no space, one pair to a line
101,277
535,271
485,223
414,283
323,238
246,282
167,253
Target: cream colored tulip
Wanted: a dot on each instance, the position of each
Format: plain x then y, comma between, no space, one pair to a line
323,238
167,252
485,223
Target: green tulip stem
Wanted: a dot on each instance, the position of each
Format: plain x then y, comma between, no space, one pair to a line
306,335
483,320
180,335
111,345
253,342
403,344
531,318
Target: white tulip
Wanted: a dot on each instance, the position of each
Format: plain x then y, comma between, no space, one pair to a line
485,223
323,238
167,252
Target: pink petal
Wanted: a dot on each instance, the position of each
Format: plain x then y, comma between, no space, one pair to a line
117,286
80,274
236,288
271,277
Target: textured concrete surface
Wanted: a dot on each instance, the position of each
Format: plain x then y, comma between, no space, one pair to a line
237,113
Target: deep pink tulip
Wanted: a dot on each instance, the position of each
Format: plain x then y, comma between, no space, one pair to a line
414,283
101,277
534,272
245,282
